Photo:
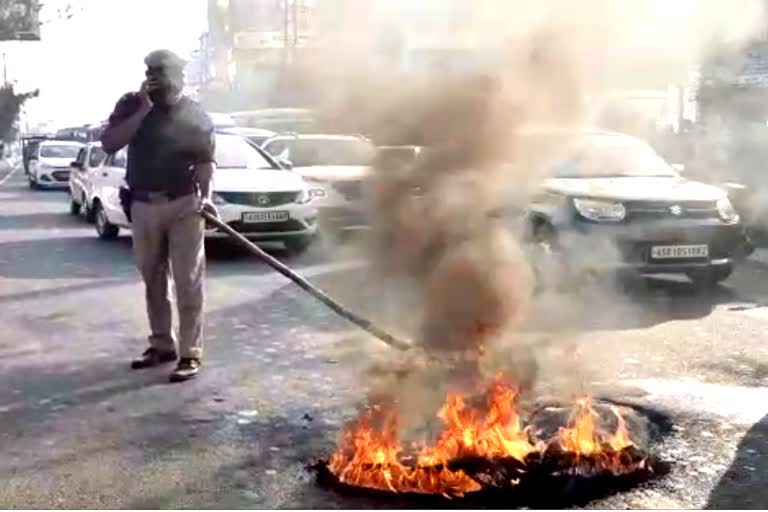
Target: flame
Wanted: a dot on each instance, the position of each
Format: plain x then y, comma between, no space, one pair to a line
371,454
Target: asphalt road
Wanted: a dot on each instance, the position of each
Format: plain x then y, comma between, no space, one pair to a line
78,429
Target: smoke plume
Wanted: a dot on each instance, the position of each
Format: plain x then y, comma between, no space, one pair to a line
443,224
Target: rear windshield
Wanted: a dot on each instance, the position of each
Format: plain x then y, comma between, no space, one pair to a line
234,152
53,151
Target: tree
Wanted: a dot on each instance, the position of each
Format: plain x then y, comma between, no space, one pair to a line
10,106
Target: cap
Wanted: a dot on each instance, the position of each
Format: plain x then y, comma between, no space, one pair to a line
164,59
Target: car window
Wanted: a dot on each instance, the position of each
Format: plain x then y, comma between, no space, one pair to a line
119,159
234,152
81,156
275,148
58,151
316,151
610,156
97,156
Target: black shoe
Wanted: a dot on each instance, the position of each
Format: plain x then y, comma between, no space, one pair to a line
153,357
188,368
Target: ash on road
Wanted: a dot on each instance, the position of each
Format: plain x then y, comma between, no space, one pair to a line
78,429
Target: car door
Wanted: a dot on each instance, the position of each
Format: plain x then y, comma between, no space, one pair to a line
96,157
108,179
77,175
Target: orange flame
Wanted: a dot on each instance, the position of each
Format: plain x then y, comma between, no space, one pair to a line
371,454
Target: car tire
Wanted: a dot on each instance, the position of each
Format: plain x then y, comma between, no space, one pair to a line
74,207
709,278
298,245
550,271
105,229
33,185
90,216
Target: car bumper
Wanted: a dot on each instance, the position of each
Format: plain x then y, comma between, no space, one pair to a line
301,221
628,247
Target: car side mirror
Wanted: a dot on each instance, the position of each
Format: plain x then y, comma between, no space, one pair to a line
76,165
679,168
285,164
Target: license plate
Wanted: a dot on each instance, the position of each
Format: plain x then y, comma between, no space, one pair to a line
273,216
662,252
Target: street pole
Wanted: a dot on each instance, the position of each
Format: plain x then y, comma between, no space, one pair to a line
5,70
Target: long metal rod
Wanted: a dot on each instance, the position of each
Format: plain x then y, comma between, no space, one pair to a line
308,287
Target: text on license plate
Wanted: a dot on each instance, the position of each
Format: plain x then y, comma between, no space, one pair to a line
660,252
272,216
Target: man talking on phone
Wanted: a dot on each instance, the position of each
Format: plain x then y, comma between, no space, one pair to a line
171,146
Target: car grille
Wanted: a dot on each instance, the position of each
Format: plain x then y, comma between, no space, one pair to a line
267,227
259,199
639,210
61,174
351,190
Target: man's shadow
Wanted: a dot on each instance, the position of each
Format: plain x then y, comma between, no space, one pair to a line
743,485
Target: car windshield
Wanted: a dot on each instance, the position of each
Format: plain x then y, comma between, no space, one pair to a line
611,156
309,152
234,152
52,151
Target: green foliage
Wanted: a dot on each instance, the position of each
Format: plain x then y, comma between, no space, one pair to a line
10,106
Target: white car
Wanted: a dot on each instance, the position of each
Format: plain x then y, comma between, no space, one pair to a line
252,192
49,165
82,177
339,164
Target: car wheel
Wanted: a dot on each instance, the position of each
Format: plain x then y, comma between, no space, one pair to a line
550,271
90,212
33,185
74,207
709,278
105,229
298,244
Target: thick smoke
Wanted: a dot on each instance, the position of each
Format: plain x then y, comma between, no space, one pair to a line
443,234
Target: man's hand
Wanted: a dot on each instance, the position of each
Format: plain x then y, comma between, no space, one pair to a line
206,206
144,93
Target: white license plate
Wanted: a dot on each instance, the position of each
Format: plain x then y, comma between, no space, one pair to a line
662,252
272,216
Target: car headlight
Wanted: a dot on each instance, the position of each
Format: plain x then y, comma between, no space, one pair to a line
310,194
600,211
44,167
727,212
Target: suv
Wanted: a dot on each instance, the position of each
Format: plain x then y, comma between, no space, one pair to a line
610,201
81,178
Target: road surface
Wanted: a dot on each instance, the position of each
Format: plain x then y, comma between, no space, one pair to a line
78,429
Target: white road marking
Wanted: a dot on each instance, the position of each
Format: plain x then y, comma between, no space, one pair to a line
13,170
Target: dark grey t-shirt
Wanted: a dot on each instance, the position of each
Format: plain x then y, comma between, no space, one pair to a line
168,143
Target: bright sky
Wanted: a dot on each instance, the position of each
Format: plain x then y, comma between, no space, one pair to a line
83,65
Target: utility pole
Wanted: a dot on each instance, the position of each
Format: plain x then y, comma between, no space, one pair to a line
5,69
286,33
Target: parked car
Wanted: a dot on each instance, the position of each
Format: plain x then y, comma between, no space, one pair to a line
81,179
49,164
252,192
337,164
611,201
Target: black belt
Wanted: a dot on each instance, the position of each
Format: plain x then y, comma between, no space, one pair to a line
145,196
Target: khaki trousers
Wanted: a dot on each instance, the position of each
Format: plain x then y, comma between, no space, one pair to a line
168,243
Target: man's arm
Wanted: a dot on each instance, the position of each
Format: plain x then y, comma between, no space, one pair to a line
205,164
125,120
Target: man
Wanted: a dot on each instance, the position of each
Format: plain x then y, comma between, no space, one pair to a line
170,166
